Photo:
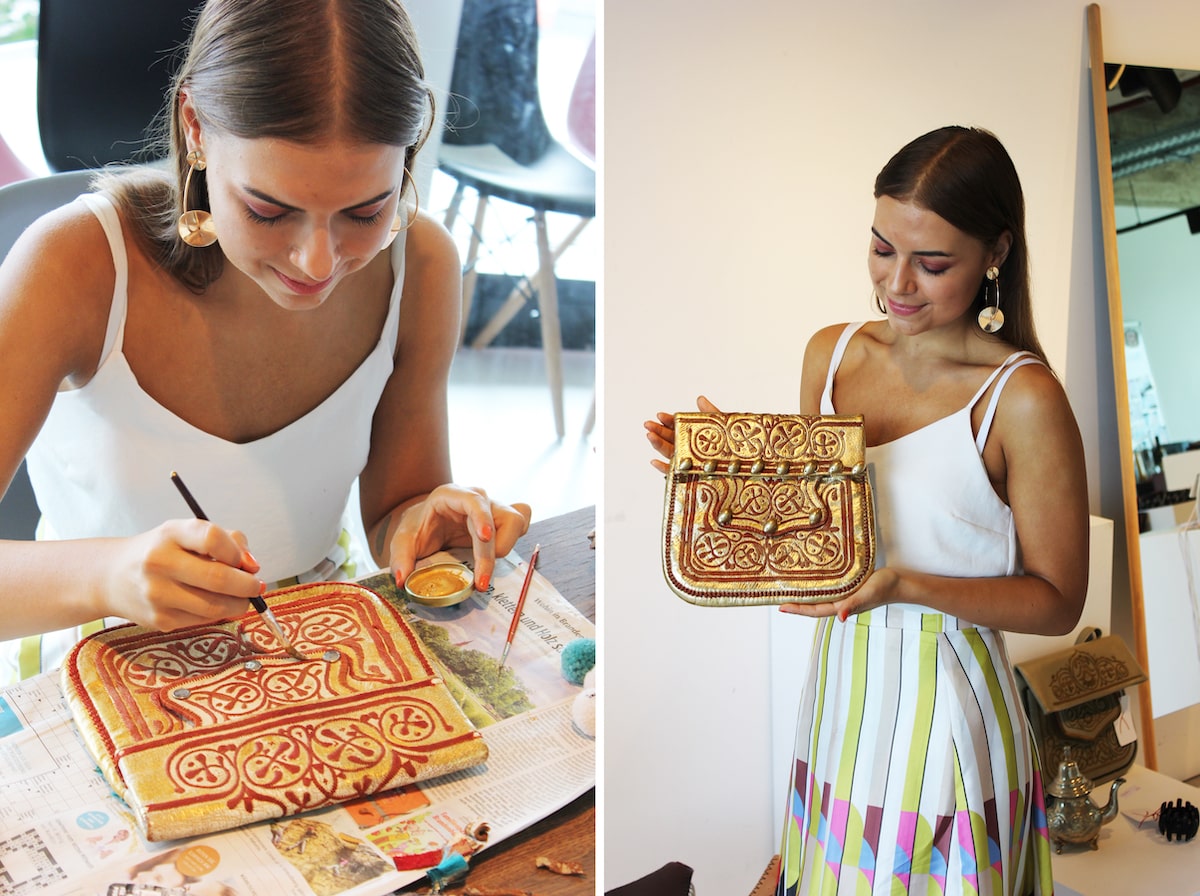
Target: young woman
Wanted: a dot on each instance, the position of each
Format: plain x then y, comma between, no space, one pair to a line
269,315
914,770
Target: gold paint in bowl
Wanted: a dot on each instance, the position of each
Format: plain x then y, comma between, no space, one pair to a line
440,585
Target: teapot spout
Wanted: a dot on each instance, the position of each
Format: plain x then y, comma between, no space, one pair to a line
1110,811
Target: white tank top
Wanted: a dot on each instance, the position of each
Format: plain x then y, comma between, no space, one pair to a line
935,508
101,464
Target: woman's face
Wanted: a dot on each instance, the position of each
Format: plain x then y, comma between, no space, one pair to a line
298,218
926,272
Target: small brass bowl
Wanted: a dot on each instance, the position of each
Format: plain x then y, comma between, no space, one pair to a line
440,585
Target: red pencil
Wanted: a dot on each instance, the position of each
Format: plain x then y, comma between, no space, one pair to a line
512,628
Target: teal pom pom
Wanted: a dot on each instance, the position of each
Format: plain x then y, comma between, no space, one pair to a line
578,658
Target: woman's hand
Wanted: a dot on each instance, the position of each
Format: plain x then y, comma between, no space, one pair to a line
183,572
455,516
661,433
881,586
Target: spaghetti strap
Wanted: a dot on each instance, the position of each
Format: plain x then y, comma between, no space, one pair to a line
1011,363
102,207
839,350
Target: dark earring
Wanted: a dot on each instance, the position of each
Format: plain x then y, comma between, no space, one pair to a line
991,318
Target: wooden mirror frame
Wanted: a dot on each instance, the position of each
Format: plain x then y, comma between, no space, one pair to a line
1116,326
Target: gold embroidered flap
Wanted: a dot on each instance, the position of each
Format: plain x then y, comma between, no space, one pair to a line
767,509
213,727
1089,669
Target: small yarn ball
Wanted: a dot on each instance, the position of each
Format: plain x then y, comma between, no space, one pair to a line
578,658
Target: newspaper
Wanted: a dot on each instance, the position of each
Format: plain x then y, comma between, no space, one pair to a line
63,831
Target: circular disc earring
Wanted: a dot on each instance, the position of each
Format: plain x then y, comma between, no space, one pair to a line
196,227
401,223
991,318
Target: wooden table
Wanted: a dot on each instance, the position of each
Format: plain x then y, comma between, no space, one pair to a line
568,560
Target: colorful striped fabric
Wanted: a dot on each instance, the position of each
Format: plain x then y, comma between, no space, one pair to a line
920,778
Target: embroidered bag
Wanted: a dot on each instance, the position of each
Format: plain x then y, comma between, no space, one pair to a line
213,726
1073,699
767,509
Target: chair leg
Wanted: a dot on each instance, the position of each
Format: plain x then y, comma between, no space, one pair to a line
551,327
470,269
520,293
590,423
452,209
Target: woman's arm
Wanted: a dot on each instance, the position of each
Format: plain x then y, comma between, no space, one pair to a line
55,292
410,508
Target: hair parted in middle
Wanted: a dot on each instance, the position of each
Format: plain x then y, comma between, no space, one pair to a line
966,176
297,70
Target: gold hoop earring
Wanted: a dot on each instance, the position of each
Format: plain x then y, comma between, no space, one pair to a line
879,306
400,224
991,318
196,227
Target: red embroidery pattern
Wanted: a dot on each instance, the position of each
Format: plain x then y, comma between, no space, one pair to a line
214,725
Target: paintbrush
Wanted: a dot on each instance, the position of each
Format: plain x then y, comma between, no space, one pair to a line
259,604
516,620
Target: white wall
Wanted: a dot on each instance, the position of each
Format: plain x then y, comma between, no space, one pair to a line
740,144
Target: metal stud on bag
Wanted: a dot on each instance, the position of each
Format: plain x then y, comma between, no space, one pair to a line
809,472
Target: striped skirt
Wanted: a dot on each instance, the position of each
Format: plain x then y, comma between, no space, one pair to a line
913,771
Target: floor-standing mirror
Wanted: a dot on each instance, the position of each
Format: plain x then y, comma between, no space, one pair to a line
1148,153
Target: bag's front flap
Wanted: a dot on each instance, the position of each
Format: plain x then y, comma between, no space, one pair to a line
213,727
767,508
1088,720
770,439
1088,670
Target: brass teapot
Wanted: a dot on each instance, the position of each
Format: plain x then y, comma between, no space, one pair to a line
1071,815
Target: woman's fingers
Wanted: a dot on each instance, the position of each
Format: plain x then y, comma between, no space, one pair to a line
660,433
167,578
455,516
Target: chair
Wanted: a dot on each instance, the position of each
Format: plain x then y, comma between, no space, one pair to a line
581,112
496,142
11,167
20,204
103,73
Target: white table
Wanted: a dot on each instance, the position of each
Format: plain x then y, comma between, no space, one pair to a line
1134,859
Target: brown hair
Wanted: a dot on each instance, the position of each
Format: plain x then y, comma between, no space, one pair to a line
965,176
299,70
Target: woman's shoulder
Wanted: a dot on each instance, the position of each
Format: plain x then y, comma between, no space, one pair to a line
819,358
61,269
66,251
432,272
823,343
1032,394
428,245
